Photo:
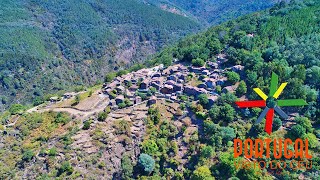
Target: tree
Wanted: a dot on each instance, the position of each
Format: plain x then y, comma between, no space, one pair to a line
214,46
206,152
77,99
227,134
312,140
102,116
241,89
149,147
28,155
16,109
127,167
198,62
233,77
304,122
227,113
214,112
250,173
297,131
65,167
52,151
277,123
86,125
226,167
146,162
203,99
201,173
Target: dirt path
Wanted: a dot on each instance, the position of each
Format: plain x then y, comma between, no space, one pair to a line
80,113
98,106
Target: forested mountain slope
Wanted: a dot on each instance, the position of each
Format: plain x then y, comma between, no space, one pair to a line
47,46
189,138
213,12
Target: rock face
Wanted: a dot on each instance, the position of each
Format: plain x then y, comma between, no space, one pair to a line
103,138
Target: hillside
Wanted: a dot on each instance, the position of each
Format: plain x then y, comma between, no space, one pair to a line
47,46
176,118
212,12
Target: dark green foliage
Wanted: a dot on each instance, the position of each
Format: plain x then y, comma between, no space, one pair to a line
127,167
297,131
28,155
202,172
233,77
77,46
149,147
86,125
52,152
277,123
203,99
227,134
65,168
109,77
242,88
102,116
146,162
62,118
17,109
206,152
198,62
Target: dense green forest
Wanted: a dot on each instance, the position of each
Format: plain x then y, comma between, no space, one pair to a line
214,12
283,39
48,46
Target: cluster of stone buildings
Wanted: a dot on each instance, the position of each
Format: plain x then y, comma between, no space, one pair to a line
168,83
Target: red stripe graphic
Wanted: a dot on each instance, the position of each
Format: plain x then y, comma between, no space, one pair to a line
269,119
246,104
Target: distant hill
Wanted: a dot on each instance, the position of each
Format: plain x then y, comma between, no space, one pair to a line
47,46
213,12
52,46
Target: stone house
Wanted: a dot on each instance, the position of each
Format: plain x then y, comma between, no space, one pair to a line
144,84
155,85
172,77
152,100
212,99
194,91
205,72
202,85
119,99
167,89
221,81
120,89
138,100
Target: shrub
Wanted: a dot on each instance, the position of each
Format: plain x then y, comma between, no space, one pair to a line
233,77
28,155
203,99
198,62
202,172
149,147
127,167
65,167
17,109
52,152
109,77
122,105
86,125
102,116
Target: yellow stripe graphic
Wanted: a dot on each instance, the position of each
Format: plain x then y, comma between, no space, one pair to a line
279,91
260,93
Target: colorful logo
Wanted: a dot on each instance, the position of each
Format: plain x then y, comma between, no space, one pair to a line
270,103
